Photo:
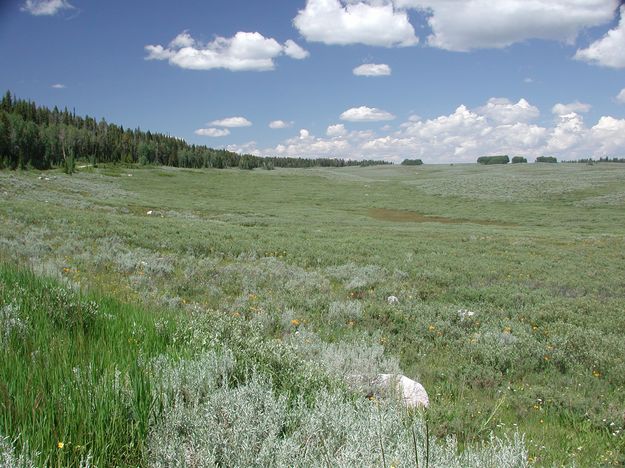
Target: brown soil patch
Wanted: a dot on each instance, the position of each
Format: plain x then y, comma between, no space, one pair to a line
405,216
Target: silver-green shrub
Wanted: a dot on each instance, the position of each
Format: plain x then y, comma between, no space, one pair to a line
345,311
344,358
253,426
357,277
9,458
11,324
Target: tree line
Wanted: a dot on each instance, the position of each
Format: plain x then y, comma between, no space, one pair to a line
33,136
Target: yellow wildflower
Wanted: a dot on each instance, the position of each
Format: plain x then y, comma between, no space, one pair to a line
295,322
60,445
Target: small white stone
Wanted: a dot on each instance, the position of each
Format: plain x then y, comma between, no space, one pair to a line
392,300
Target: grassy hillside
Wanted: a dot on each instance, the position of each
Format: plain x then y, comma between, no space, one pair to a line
307,258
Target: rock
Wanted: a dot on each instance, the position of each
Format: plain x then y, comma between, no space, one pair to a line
411,393
392,300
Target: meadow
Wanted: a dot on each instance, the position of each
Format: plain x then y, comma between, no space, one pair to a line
159,298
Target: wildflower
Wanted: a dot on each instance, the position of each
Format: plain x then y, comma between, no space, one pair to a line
60,445
431,328
507,330
295,322
546,358
596,373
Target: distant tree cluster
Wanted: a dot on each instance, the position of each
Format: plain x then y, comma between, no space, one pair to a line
41,138
600,160
411,162
502,159
546,159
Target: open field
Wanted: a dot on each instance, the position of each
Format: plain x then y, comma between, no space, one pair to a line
304,260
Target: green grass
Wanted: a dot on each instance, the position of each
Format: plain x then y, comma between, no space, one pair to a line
536,251
70,373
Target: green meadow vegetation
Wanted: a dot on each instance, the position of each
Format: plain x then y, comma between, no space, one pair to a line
159,316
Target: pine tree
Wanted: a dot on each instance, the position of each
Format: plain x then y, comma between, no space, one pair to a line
7,102
5,140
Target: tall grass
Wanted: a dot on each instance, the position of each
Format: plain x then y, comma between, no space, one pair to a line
71,383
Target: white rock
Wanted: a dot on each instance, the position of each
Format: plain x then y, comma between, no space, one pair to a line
392,300
150,213
411,392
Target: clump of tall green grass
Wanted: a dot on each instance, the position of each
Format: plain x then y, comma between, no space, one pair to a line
71,383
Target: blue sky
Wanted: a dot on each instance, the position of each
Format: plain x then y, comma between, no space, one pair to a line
442,80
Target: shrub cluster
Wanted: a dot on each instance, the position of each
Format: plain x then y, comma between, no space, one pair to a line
518,160
411,162
546,159
502,159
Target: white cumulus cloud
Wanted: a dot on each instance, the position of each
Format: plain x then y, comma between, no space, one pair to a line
608,136
45,7
232,122
293,50
503,111
563,109
372,69
609,51
212,132
341,22
366,114
463,25
277,124
58,86
336,130
243,52
620,97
